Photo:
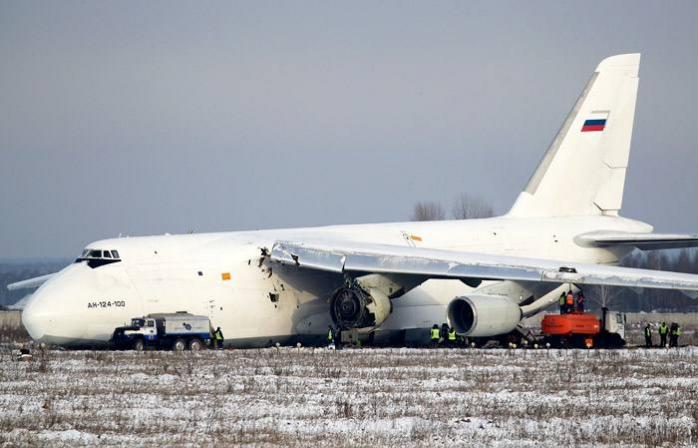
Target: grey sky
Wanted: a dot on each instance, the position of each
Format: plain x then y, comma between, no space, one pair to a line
145,118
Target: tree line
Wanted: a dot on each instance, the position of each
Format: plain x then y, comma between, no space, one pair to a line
464,207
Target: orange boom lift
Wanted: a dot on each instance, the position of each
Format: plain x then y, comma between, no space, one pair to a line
584,330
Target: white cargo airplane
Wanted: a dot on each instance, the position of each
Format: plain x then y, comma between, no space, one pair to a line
483,275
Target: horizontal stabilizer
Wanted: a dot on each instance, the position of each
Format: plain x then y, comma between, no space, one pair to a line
643,241
30,282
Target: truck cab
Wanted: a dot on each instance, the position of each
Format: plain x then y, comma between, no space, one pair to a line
144,327
614,322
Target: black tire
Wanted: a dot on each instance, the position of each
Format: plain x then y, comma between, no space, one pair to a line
613,340
179,345
195,345
139,345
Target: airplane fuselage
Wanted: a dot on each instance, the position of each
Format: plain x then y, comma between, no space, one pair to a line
257,302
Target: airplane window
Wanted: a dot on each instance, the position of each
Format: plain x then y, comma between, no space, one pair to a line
85,252
95,254
107,254
115,254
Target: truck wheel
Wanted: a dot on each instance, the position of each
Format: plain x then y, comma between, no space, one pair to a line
195,345
179,345
139,345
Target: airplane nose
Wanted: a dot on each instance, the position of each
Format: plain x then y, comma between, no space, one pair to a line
64,311
35,319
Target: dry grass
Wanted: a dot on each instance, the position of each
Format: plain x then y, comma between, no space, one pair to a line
11,329
383,397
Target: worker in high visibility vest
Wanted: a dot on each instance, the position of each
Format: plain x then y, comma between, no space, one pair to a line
435,335
330,335
648,336
217,338
452,337
663,332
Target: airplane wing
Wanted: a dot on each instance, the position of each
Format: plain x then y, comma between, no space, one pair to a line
29,283
643,241
341,257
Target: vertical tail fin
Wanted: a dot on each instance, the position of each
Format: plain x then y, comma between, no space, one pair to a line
583,171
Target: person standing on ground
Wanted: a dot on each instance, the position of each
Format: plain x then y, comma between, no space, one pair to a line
562,303
444,332
217,338
648,336
663,332
674,333
338,339
435,335
452,337
330,335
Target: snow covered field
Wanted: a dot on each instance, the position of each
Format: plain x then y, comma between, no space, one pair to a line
382,397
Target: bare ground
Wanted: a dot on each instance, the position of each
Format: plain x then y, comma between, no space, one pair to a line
383,397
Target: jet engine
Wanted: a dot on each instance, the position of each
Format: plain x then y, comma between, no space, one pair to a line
353,306
483,316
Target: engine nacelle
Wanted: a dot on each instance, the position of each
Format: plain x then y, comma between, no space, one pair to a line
482,316
353,307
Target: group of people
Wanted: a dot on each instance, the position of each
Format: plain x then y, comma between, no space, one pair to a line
444,336
569,303
673,331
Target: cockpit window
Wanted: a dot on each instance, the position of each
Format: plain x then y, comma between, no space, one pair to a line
98,257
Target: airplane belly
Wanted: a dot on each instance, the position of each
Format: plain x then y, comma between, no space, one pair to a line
424,305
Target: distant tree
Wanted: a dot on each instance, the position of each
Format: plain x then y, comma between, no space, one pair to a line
428,211
603,295
471,207
687,261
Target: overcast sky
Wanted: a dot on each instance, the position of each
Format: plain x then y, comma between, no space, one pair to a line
146,117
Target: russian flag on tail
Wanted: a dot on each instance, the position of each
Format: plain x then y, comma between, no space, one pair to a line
596,121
